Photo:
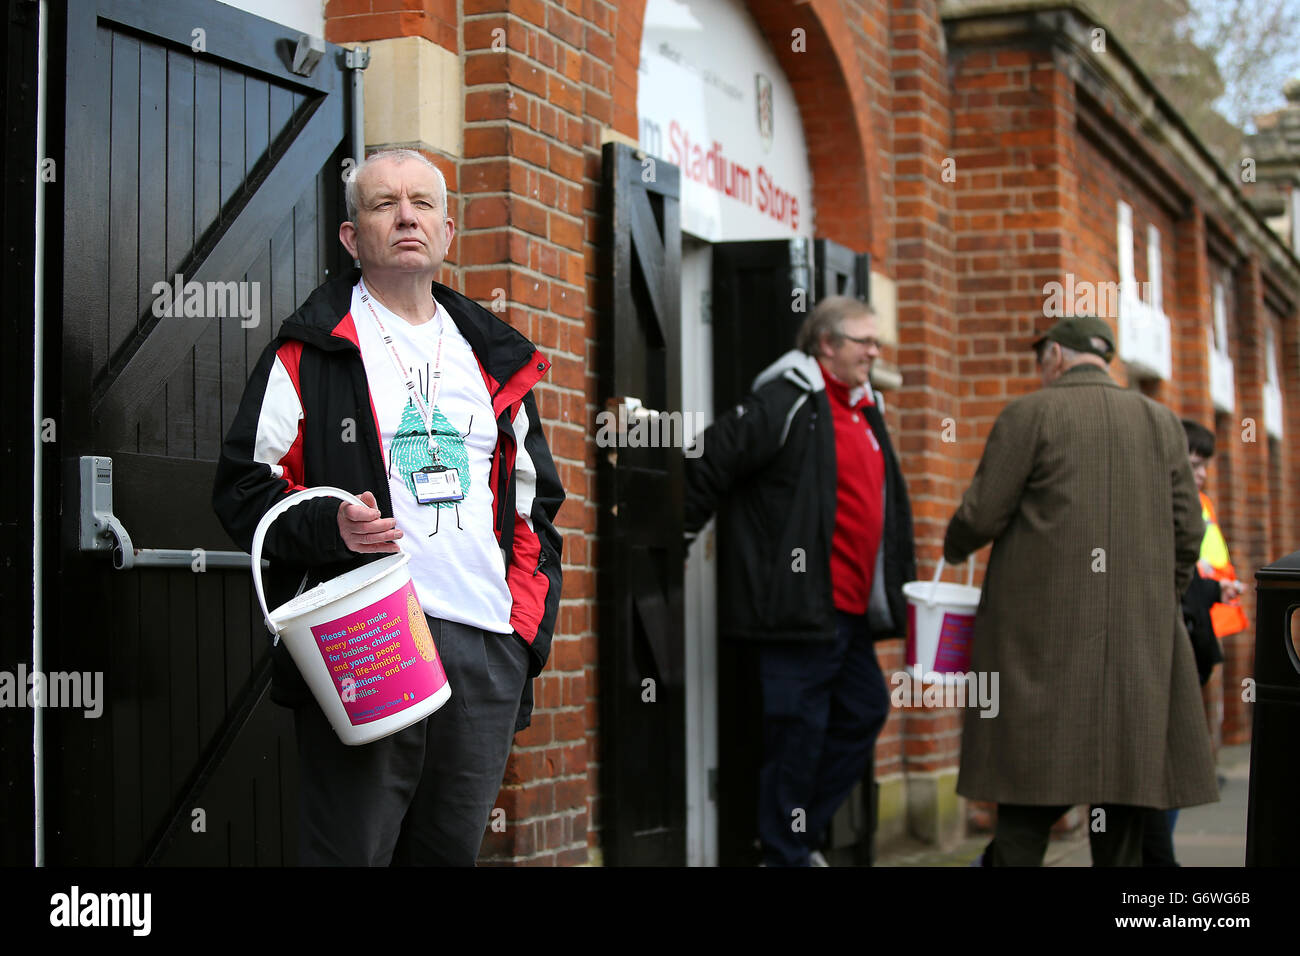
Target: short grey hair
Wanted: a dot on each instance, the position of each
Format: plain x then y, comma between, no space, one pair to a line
1072,355
351,193
826,320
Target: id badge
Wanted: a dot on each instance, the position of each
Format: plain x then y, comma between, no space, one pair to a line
435,484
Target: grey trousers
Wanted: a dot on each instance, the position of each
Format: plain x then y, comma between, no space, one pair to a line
421,796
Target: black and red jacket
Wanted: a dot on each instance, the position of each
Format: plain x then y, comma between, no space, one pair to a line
313,372
769,469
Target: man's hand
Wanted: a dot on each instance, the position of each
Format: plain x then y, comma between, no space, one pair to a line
365,530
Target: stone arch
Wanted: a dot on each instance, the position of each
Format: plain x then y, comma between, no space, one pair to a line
834,108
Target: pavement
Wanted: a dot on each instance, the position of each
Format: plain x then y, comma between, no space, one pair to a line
1209,835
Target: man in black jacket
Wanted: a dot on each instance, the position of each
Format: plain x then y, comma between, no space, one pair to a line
418,401
818,548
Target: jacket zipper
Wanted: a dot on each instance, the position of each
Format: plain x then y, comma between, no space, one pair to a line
541,559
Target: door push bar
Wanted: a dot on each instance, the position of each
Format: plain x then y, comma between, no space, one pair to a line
102,531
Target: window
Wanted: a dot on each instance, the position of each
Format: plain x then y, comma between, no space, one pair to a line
1222,382
1155,274
1272,388
1144,334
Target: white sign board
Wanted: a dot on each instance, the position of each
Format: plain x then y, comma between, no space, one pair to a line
713,101
306,16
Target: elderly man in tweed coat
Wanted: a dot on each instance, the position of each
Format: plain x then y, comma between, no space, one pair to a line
1085,491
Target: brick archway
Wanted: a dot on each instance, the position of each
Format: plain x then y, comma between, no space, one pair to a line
834,107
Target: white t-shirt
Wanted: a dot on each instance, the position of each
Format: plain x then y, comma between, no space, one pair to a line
456,564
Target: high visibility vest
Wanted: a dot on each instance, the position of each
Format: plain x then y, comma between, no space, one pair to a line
1215,563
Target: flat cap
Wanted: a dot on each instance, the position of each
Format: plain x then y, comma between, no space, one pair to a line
1077,333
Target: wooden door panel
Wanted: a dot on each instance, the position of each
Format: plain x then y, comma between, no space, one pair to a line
643,771
222,165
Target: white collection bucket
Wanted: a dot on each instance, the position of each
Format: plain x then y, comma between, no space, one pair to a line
360,640
940,626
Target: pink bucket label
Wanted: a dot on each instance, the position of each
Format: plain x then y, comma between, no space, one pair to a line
382,657
953,655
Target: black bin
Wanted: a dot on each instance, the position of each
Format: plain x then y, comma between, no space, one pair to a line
1272,824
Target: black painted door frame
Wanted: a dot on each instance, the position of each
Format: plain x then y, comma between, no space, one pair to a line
18,115
641,611
188,146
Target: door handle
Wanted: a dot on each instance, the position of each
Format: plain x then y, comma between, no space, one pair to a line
630,408
101,530
621,413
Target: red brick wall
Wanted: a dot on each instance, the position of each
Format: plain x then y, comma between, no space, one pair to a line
1192,302
351,21
1288,357
1014,228
923,266
533,114
1251,543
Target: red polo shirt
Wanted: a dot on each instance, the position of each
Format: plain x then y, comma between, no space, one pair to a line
859,499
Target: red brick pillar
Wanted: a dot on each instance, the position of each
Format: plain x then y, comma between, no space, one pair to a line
353,21
1288,358
926,178
1192,315
1250,542
537,89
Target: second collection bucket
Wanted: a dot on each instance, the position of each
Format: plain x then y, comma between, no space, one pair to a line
360,640
940,626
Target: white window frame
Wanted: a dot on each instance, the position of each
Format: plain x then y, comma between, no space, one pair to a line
1223,388
1155,271
1145,341
1272,386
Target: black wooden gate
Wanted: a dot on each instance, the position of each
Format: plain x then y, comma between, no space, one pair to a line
642,691
191,149
18,33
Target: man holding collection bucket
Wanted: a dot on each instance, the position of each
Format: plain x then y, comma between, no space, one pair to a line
818,550
398,389
1085,491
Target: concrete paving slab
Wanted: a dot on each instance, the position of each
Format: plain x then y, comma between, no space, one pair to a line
1210,835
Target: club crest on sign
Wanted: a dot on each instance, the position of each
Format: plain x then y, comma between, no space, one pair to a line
763,96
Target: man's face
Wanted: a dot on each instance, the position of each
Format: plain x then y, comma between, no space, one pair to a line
401,224
849,356
1199,468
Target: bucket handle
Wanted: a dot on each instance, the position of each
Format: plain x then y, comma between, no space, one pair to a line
297,498
938,572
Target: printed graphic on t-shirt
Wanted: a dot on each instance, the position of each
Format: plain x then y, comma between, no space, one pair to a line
444,471
409,450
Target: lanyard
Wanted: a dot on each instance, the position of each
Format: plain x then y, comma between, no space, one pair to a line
426,411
